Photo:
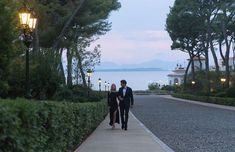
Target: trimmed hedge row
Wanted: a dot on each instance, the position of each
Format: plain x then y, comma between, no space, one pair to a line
215,100
47,126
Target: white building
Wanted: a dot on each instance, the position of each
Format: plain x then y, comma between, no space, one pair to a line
197,63
231,64
177,77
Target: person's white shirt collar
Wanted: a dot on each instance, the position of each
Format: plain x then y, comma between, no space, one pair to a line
124,90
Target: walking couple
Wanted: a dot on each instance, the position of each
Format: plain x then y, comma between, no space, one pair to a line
126,101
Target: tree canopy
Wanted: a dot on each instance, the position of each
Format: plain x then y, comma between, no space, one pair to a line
198,27
64,27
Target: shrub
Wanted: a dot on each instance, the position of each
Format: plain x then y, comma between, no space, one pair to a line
221,94
47,126
174,88
154,86
215,100
78,93
233,79
230,92
63,94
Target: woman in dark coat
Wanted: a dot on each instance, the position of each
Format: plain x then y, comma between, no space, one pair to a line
113,106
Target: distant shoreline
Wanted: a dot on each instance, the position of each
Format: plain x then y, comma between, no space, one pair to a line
131,70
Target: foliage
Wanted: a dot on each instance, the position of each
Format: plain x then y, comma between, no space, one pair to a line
47,126
230,92
90,20
183,25
64,23
197,27
17,77
233,80
215,100
175,88
200,86
44,77
58,22
78,93
154,86
7,35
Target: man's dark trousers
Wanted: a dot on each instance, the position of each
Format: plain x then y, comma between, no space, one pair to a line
124,109
125,105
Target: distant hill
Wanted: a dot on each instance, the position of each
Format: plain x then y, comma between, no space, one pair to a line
130,69
154,65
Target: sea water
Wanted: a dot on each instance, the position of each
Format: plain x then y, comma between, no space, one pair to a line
137,80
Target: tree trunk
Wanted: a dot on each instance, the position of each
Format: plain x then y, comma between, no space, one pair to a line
69,68
191,55
67,24
61,68
200,61
221,50
214,56
227,73
209,31
77,74
206,48
35,43
81,69
186,74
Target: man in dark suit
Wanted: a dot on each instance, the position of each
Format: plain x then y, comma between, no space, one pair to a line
126,102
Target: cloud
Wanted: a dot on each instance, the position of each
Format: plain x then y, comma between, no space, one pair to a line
159,35
136,47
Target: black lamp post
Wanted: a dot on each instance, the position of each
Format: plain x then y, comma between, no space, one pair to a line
28,24
105,85
193,82
108,86
100,84
223,80
89,72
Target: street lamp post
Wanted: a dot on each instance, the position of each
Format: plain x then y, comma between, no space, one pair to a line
89,72
100,84
105,85
108,86
193,82
223,80
28,24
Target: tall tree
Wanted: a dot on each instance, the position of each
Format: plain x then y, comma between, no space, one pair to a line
210,11
225,20
7,35
184,27
87,26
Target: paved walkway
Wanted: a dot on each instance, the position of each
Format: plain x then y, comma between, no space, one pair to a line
136,139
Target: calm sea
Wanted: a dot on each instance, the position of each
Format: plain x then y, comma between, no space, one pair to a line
137,80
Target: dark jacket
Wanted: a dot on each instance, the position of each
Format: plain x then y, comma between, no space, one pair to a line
128,98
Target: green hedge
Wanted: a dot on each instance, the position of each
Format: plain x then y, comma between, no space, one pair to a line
47,126
215,100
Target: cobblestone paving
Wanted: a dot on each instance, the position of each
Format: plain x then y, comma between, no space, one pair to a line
187,127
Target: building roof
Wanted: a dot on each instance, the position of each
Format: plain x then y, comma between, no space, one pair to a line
175,75
198,58
180,70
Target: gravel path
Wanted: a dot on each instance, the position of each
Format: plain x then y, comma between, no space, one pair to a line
187,127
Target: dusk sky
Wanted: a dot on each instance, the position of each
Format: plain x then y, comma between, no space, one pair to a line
138,34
